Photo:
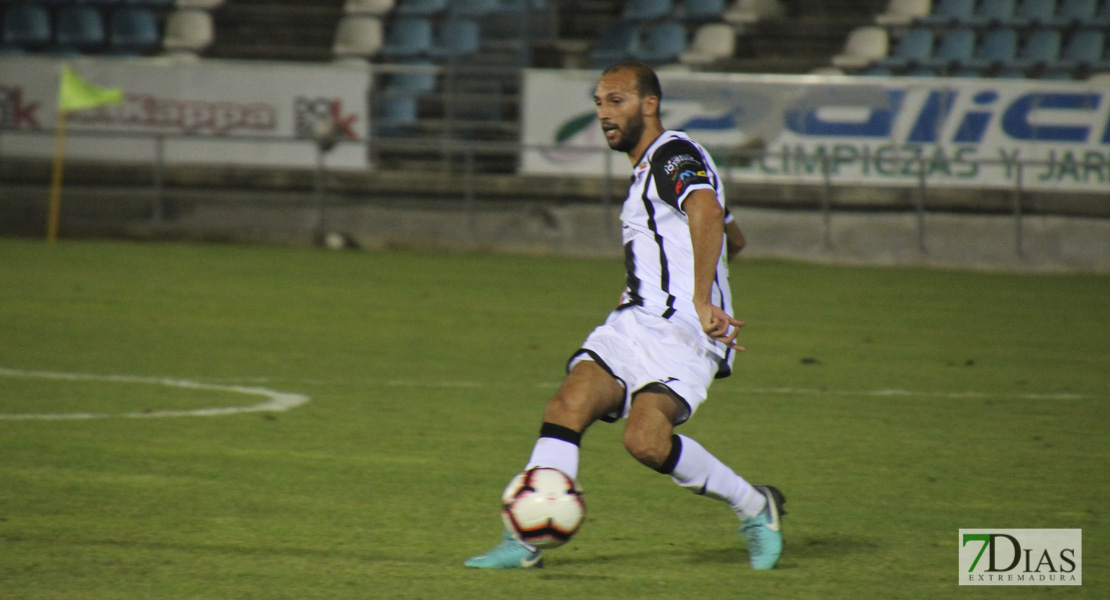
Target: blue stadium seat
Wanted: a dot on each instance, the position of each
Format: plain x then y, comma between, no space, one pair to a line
1084,49
615,42
397,115
646,10
1031,13
134,29
992,13
915,45
701,11
79,27
456,39
1074,12
1041,49
474,8
998,48
954,49
420,8
663,43
949,12
163,5
26,27
415,82
408,37
104,3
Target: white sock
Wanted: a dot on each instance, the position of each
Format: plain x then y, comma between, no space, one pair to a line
702,473
555,453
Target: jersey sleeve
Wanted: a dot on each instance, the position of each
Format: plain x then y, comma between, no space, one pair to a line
677,169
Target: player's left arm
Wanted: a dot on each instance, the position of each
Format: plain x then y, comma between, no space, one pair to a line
706,218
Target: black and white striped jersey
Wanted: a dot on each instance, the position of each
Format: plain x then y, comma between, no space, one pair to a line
658,252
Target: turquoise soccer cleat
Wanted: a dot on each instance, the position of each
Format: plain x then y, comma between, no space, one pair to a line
763,532
509,554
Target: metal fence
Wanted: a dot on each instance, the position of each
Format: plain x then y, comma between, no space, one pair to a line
458,158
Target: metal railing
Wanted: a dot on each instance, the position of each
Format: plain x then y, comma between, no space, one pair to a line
465,155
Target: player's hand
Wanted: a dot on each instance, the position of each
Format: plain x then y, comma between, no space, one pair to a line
719,325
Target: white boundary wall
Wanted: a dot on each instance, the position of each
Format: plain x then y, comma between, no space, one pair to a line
229,112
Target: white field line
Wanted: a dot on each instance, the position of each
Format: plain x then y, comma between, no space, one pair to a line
275,401
777,391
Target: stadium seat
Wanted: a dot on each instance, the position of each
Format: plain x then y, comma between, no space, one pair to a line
134,29
375,8
997,49
1040,49
358,36
1030,13
517,6
1011,73
153,4
747,12
199,4
80,27
420,8
993,13
915,45
477,99
712,42
953,50
1102,16
26,27
964,73
456,39
900,13
408,37
864,46
420,80
1084,49
646,10
948,13
188,31
876,71
615,42
474,8
1073,12
104,3
1056,74
663,43
396,115
702,11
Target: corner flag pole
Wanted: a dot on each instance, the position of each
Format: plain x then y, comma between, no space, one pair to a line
74,93
56,179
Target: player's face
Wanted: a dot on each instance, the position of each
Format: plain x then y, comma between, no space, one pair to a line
619,110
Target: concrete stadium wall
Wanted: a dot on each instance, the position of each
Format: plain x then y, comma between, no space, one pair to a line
1047,243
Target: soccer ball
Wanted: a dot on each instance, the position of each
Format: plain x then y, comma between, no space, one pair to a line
543,507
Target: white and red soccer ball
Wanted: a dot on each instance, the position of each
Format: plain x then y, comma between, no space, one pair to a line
543,507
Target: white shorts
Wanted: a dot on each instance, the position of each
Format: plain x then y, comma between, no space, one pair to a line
640,349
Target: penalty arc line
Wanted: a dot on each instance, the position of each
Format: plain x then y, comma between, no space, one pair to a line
276,401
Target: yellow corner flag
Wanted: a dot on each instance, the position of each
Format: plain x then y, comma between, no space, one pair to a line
74,93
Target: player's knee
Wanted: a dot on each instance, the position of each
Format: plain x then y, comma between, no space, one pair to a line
645,448
568,411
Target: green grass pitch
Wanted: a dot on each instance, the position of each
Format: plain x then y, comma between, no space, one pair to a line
892,406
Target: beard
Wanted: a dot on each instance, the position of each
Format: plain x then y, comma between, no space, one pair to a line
630,135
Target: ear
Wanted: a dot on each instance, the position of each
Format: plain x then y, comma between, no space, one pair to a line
649,107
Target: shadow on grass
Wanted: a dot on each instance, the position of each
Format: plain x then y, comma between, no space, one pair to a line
795,550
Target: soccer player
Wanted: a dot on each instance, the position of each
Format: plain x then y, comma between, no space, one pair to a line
652,361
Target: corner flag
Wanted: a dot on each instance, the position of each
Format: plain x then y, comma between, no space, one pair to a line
74,93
